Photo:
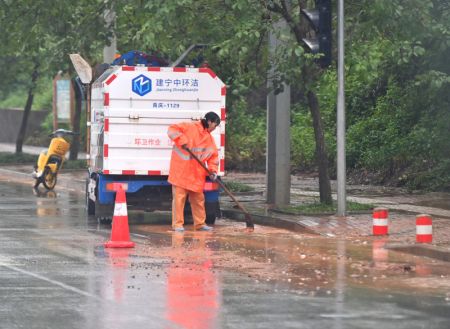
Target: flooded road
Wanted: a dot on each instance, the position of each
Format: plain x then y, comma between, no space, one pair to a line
55,273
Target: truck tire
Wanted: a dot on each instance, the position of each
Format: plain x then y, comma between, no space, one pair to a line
104,220
212,212
210,219
104,213
101,213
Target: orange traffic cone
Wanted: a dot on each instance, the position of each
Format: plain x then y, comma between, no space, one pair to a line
120,233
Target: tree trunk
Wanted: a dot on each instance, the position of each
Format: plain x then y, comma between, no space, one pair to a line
26,111
321,152
76,121
308,74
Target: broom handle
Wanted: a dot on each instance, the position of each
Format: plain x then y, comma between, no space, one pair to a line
222,185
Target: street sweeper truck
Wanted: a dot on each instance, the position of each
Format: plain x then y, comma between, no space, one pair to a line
129,109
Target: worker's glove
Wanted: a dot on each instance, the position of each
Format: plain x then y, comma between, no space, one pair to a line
213,177
184,146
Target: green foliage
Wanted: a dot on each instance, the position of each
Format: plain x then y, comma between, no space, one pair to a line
303,143
246,133
238,187
12,158
14,100
42,99
398,103
405,133
434,178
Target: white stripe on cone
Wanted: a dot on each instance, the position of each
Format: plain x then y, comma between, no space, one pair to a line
120,209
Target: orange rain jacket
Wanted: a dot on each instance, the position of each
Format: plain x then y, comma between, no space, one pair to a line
184,171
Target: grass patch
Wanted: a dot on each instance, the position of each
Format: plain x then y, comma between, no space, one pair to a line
238,187
320,208
13,158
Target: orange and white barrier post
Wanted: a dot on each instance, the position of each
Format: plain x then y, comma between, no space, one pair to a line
380,221
424,229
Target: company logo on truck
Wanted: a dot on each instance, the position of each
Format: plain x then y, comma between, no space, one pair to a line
141,85
177,85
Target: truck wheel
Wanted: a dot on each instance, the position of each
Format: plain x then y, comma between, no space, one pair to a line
104,213
210,219
104,220
212,212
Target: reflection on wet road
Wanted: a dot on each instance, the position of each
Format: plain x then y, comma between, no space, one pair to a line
55,273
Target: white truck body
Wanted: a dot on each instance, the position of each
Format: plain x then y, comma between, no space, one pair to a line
132,107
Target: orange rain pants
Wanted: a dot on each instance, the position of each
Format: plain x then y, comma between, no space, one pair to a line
197,201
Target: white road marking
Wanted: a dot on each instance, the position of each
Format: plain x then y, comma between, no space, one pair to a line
43,278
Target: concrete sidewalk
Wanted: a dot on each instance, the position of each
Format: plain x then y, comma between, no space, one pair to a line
402,205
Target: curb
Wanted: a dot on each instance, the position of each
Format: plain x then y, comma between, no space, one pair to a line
269,221
422,250
349,213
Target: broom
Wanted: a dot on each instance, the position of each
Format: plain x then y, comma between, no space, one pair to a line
248,218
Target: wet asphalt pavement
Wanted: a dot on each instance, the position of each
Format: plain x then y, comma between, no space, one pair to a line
55,273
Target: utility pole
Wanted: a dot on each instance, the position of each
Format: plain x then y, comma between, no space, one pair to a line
341,160
110,21
278,155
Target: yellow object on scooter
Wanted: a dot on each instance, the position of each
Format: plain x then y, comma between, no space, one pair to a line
42,160
58,146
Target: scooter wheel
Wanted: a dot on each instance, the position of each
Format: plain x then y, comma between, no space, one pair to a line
49,180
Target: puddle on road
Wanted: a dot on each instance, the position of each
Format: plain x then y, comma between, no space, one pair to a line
308,264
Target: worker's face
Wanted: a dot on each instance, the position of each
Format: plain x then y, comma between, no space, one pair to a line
211,126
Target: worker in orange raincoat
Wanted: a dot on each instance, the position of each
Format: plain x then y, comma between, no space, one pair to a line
186,175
